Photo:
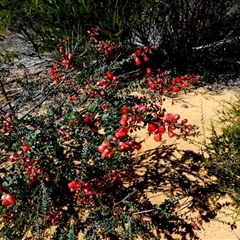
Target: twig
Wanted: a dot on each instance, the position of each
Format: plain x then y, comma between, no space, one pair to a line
5,95
44,99
216,44
145,211
124,198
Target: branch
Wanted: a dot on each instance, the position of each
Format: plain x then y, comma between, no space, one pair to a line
45,98
5,95
217,43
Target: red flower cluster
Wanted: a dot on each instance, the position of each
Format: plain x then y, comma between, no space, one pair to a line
162,81
143,55
105,47
169,123
102,85
88,192
7,124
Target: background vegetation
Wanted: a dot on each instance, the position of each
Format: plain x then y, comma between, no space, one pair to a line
224,160
191,35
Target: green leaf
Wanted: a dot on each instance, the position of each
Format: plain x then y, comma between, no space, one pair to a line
119,33
92,107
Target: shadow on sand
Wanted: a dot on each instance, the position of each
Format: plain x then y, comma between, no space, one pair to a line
179,188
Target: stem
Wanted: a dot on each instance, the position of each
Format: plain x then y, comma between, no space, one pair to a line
124,198
45,98
5,95
145,211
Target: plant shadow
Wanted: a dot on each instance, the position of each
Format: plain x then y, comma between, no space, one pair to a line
180,188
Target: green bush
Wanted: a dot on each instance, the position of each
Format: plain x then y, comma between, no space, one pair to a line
52,20
224,151
179,28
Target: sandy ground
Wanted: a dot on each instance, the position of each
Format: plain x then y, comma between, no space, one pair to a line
200,108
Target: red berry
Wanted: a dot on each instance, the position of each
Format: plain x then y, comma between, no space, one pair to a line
67,137
124,120
47,179
114,172
161,129
171,134
184,85
184,121
9,115
60,132
152,85
137,146
105,153
184,133
121,133
12,157
176,117
110,155
74,185
178,80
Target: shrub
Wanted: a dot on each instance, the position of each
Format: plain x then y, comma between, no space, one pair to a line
192,34
69,158
54,20
224,160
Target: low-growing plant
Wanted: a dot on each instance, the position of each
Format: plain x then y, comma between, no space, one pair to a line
69,158
7,57
224,152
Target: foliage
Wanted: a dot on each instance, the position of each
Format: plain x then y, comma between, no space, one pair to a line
69,154
224,161
54,20
190,34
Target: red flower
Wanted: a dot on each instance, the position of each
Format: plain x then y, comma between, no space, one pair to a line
26,148
74,185
175,89
124,120
121,133
152,127
138,51
124,110
109,75
8,199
